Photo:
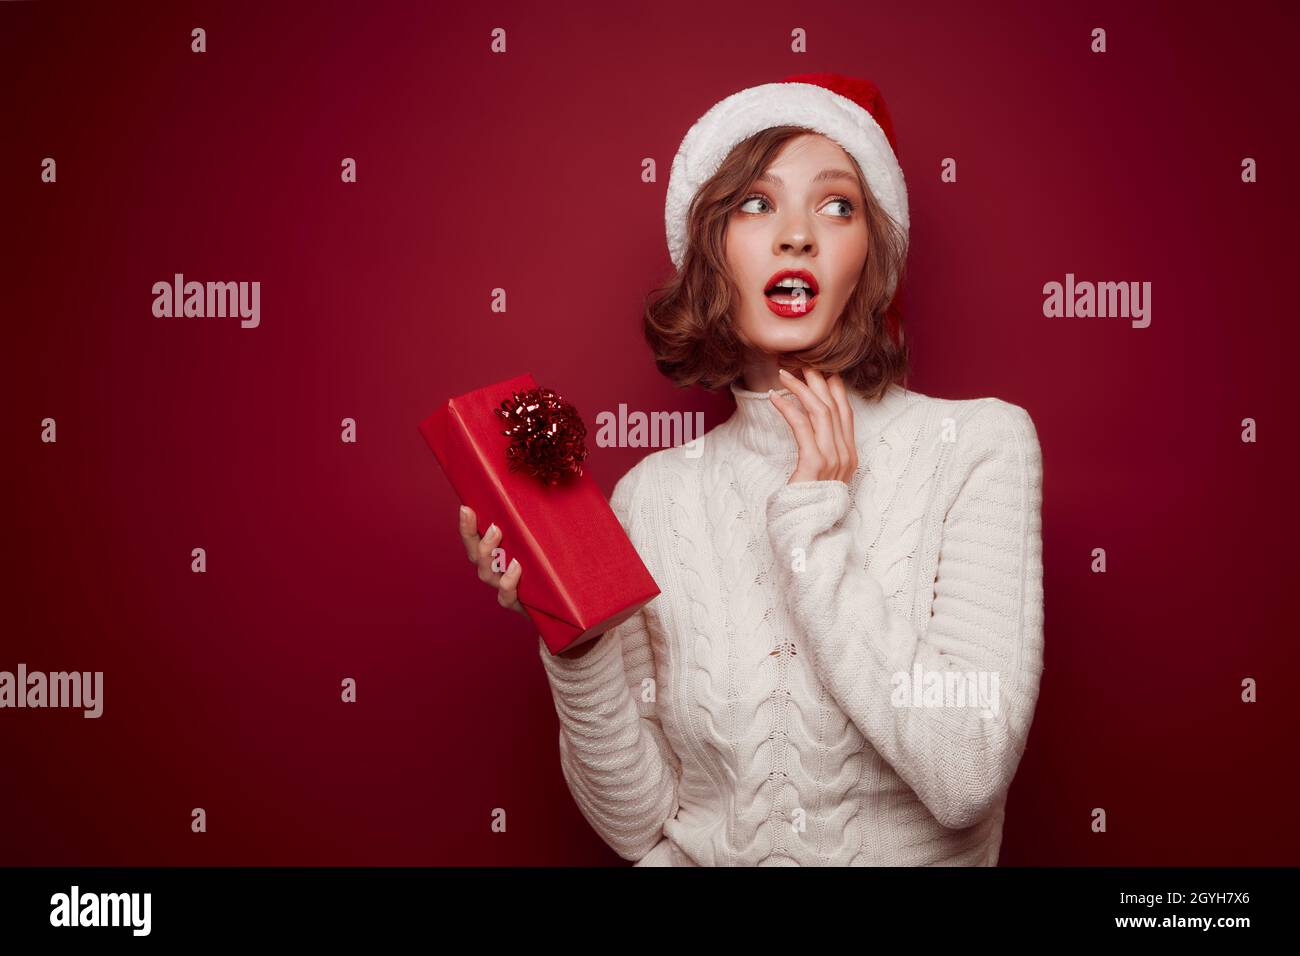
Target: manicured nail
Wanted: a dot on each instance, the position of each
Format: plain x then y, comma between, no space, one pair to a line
514,564
491,530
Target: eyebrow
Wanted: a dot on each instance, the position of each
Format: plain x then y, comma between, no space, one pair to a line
826,175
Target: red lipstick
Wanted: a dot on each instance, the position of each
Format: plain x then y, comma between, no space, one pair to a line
794,299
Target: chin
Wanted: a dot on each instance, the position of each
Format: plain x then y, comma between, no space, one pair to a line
775,335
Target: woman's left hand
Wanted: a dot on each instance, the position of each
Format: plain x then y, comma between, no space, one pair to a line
824,433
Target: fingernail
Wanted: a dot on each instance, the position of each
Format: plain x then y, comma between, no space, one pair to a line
464,512
783,372
514,563
491,530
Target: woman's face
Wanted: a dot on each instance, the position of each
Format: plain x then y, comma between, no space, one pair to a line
806,213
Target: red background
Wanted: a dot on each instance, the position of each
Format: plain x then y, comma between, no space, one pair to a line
522,171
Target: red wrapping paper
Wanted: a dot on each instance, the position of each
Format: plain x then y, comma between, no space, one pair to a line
581,573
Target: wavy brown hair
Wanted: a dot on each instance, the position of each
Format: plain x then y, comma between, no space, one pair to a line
689,322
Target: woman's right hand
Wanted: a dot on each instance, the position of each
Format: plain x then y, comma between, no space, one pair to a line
479,552
506,583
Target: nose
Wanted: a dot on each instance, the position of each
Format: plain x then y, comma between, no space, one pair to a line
794,235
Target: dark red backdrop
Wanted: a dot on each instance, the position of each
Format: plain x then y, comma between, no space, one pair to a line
522,171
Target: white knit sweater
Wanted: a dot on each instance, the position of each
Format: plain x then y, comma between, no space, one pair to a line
763,709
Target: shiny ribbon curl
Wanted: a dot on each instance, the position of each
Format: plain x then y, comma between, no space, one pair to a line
547,435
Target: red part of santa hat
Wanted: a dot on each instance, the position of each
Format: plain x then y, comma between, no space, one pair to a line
863,92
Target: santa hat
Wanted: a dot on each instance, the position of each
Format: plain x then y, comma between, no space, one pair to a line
847,110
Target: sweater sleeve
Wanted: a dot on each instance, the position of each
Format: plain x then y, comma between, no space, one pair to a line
987,619
618,765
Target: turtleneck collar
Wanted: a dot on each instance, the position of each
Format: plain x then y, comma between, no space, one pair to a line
762,429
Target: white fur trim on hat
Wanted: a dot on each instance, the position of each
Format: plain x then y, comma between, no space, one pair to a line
743,114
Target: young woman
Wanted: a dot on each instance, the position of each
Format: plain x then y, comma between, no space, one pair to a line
843,662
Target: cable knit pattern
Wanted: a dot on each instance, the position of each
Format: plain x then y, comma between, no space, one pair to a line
788,698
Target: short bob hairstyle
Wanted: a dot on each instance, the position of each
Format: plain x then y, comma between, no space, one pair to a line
689,323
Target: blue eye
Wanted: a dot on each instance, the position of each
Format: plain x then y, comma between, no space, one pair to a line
846,203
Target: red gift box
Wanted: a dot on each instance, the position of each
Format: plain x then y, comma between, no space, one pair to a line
581,574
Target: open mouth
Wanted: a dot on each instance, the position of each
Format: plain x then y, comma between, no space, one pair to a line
791,291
